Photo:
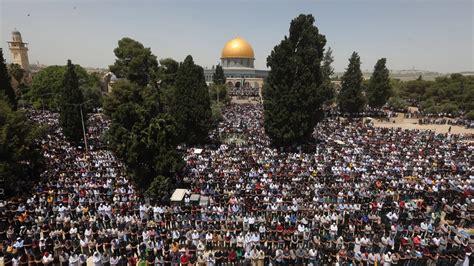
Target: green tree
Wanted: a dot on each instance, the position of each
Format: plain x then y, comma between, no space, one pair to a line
192,108
20,158
168,71
17,72
218,77
167,77
326,67
135,62
327,89
47,85
159,189
379,88
70,117
5,83
292,96
351,100
397,103
218,93
141,135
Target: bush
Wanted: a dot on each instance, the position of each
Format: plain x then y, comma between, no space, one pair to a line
397,103
470,115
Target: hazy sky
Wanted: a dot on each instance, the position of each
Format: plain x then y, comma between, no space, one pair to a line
429,35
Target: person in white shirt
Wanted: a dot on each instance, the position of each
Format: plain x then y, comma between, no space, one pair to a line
47,258
97,259
387,259
333,229
74,260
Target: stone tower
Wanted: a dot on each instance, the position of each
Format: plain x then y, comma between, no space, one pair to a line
19,50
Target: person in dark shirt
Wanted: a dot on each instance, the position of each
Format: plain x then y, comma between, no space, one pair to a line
225,256
232,256
218,257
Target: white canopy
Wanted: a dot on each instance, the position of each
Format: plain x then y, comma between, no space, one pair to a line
178,194
339,142
197,151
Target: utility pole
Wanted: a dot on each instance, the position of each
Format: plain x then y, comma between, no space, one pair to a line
84,130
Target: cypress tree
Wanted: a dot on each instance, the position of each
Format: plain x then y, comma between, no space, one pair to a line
379,89
291,95
351,100
5,85
327,90
218,77
71,100
192,108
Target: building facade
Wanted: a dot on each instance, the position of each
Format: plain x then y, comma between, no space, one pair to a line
19,51
237,61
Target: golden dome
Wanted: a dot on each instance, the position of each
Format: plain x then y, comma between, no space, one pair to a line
237,48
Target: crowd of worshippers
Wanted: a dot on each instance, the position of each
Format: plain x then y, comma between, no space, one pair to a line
440,119
360,196
244,91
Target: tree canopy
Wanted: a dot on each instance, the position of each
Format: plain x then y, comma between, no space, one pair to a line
20,158
327,90
379,88
71,104
350,98
452,94
192,106
135,62
141,135
218,77
47,84
5,83
292,93
16,72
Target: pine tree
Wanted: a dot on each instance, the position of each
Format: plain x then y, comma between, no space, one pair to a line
351,100
218,77
291,95
71,104
326,67
135,62
192,109
327,90
379,89
5,85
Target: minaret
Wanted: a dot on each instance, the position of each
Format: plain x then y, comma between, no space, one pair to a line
19,50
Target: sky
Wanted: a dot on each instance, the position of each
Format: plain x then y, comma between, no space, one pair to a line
434,35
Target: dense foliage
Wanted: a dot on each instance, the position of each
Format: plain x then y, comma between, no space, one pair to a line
5,84
327,89
141,135
16,72
71,106
219,93
20,159
134,62
292,92
167,78
351,99
379,88
452,94
48,83
192,106
218,77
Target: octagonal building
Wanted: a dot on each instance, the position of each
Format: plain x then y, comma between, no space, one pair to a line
237,60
